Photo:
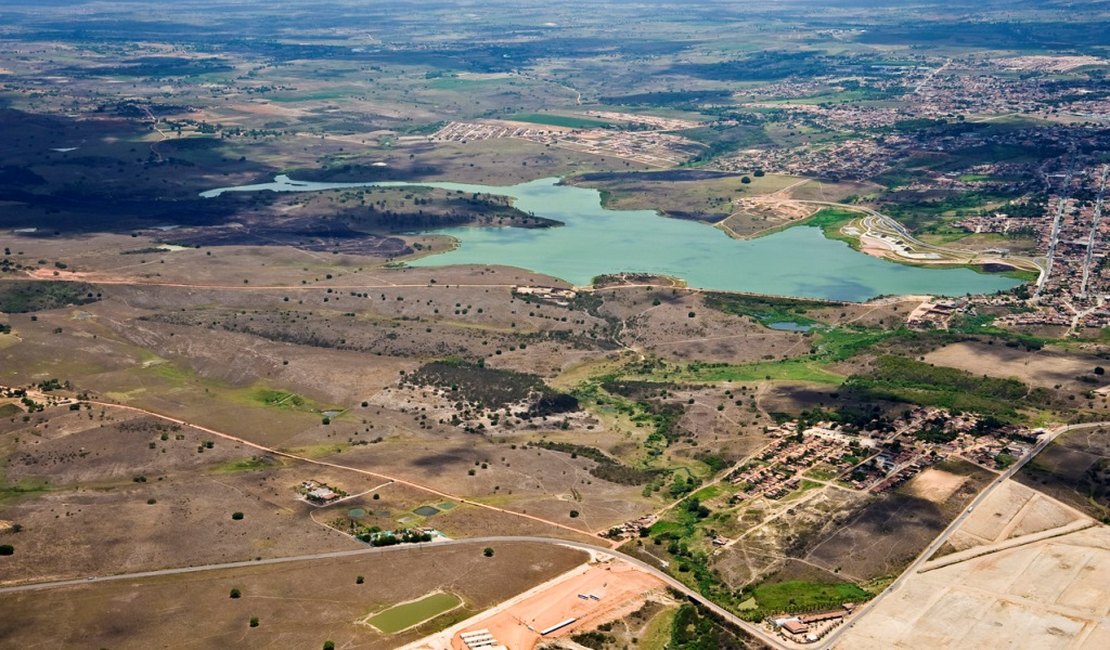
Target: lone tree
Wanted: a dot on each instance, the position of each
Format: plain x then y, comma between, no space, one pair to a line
236,516
8,549
487,551
329,645
235,593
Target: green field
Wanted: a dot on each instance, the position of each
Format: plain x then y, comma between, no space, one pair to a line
567,121
785,370
831,220
797,596
402,617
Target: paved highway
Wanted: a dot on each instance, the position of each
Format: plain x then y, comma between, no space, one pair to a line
831,640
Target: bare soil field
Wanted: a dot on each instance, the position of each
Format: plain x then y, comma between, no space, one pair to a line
619,589
1074,469
1044,368
1046,594
763,553
934,485
299,605
537,481
122,492
883,536
166,521
1013,510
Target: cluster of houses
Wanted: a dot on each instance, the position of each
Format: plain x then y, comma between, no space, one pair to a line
875,460
812,627
888,470
936,314
318,493
1072,235
553,295
778,471
631,528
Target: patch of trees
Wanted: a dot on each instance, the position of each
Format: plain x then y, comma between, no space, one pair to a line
489,388
607,468
406,536
908,380
24,296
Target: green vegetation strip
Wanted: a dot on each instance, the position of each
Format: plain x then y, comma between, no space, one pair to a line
831,221
565,121
22,296
763,309
406,615
795,596
916,382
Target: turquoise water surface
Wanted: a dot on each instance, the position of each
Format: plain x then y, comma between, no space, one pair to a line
593,241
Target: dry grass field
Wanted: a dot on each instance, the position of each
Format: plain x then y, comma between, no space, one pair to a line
299,605
1044,368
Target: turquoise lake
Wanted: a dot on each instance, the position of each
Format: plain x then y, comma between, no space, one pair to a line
797,261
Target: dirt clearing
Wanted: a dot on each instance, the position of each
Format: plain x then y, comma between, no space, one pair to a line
935,485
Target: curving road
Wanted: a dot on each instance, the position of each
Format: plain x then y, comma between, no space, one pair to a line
754,630
878,222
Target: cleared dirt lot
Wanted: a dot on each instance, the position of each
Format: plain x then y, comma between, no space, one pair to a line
299,605
1012,511
1051,593
1075,469
934,485
885,535
620,589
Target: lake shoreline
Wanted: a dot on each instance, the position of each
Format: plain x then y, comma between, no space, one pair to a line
595,241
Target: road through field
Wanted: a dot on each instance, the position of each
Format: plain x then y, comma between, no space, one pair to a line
371,551
930,550
828,642
324,463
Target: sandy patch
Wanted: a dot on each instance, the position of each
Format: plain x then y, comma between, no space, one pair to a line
935,485
591,595
1048,594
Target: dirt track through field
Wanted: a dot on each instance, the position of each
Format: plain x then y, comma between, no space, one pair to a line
399,481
